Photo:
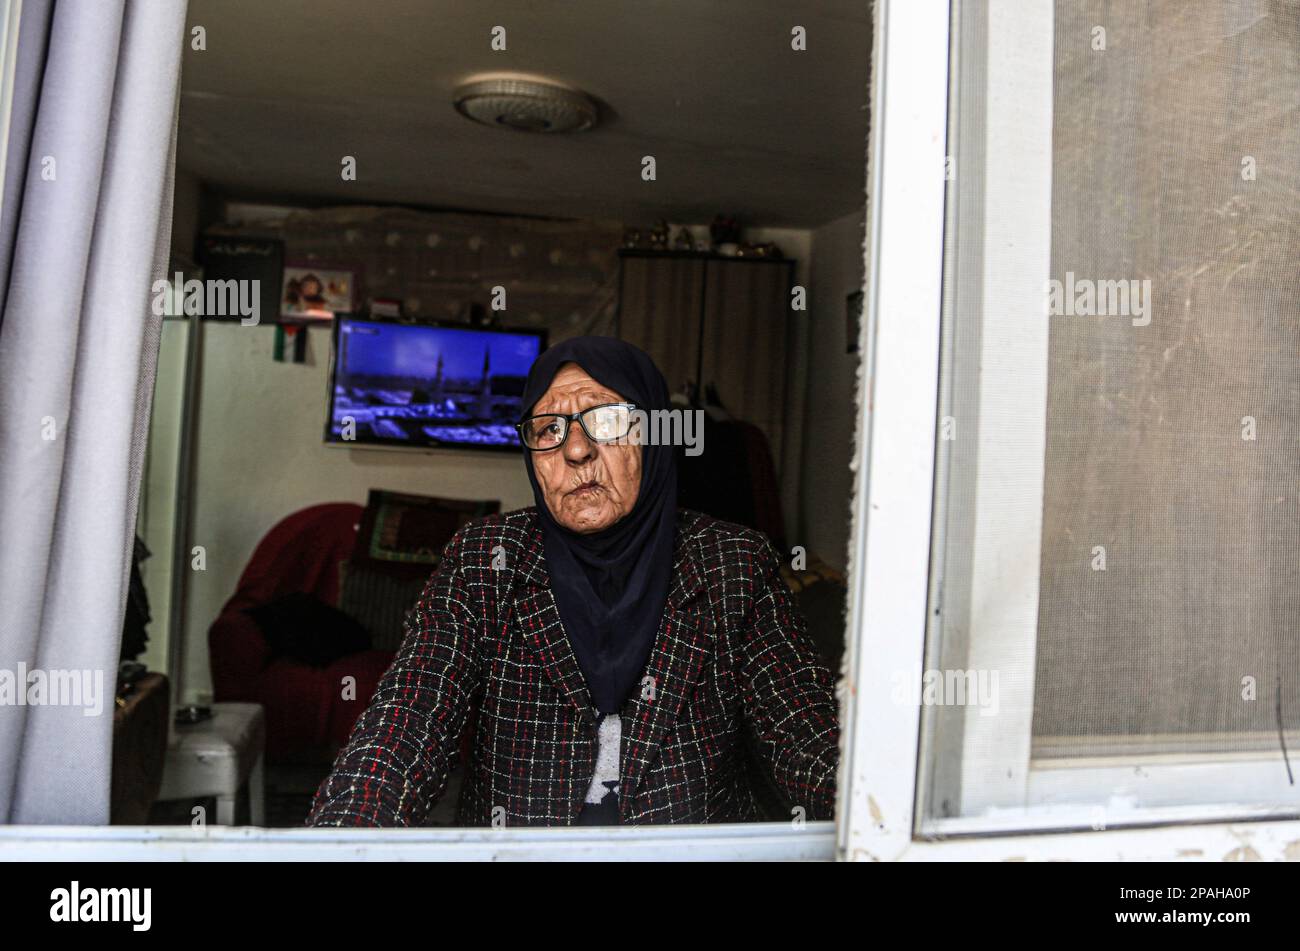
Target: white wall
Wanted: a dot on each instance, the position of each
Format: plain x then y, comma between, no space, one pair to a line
261,456
826,485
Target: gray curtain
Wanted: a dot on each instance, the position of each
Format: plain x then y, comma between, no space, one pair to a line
84,233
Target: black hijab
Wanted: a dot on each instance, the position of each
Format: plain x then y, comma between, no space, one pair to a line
611,586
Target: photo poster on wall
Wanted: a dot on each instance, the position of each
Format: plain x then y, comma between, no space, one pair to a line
242,259
312,293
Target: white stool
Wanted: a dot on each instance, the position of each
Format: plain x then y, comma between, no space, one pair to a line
216,757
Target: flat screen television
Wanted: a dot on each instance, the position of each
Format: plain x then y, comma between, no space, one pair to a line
422,385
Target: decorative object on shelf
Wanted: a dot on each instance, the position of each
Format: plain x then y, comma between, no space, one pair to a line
386,308
683,241
724,231
315,293
633,239
659,236
188,716
764,250
853,320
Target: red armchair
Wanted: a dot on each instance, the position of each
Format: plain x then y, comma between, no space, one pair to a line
307,718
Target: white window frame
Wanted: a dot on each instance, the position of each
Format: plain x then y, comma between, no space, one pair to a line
894,571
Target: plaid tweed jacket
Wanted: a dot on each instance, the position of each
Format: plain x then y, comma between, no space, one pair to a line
740,711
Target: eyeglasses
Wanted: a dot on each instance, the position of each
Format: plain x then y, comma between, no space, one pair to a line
606,423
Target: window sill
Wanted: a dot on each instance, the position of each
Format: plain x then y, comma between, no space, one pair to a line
775,841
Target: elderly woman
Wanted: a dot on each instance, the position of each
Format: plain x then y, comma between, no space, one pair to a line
615,659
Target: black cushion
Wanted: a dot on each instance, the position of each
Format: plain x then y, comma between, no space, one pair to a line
303,628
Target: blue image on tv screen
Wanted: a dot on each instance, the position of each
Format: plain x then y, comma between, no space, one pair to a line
415,385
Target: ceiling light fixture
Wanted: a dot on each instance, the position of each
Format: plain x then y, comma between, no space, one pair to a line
526,105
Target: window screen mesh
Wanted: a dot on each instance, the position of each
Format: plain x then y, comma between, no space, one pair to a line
1168,578
1173,448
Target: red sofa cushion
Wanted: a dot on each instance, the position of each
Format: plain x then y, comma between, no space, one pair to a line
306,715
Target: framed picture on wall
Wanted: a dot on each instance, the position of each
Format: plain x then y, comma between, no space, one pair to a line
251,262
312,293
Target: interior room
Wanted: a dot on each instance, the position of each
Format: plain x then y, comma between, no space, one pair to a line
676,431
456,187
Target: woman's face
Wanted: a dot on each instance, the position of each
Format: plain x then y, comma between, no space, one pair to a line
587,486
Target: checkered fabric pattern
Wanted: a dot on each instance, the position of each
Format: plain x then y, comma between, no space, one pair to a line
734,698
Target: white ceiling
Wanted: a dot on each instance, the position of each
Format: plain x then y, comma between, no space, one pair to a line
736,119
